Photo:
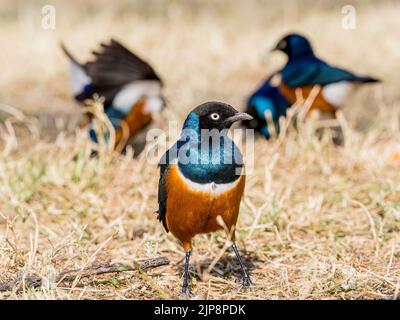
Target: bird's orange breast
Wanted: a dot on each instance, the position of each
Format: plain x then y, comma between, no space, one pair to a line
319,102
191,211
136,120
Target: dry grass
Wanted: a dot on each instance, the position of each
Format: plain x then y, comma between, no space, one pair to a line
317,221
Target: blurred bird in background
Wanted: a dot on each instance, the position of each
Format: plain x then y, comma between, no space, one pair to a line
201,183
130,87
304,71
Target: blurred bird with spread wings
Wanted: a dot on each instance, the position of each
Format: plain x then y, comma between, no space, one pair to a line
302,72
130,87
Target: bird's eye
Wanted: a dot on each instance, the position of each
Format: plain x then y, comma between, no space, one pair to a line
215,116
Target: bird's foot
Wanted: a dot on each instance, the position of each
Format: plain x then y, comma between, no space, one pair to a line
186,291
246,281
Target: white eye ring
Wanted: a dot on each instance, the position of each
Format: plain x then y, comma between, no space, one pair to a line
215,116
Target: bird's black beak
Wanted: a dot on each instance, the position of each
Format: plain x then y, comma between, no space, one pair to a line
280,46
274,49
240,116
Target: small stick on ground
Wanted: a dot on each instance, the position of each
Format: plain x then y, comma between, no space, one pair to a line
70,275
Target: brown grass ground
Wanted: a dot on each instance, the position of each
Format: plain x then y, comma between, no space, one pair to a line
317,221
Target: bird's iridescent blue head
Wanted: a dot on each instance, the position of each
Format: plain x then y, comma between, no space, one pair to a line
214,115
294,45
205,152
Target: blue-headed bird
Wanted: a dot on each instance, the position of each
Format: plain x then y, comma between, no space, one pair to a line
202,180
130,87
303,70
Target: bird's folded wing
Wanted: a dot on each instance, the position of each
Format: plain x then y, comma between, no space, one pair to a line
308,74
164,164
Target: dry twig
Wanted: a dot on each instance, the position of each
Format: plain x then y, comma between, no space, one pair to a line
71,275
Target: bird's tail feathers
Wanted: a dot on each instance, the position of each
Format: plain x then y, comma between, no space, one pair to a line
80,81
368,80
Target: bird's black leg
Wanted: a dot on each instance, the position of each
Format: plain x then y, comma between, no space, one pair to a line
246,278
185,287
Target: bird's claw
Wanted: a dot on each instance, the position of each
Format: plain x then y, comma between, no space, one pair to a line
246,281
186,291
